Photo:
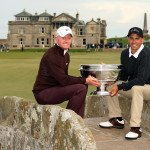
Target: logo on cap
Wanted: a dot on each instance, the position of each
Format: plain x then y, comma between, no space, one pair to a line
63,31
135,30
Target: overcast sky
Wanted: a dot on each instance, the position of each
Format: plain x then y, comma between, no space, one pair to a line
120,15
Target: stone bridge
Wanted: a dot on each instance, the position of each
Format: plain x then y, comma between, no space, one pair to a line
25,125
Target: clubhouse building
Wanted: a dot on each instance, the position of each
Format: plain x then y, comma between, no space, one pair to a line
38,30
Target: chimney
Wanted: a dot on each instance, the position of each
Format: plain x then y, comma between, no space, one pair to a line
54,14
77,16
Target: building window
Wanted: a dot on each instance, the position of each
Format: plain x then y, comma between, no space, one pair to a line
53,39
42,41
57,25
80,31
84,41
20,41
70,25
61,24
47,41
44,19
53,26
22,18
37,41
42,30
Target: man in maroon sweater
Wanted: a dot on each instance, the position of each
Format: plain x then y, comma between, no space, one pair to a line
53,85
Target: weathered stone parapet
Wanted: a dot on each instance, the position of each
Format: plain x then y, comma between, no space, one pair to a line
96,106
28,126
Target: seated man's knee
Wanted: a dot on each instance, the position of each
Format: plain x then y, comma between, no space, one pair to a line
82,87
136,88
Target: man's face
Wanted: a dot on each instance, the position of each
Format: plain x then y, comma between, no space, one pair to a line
135,42
64,42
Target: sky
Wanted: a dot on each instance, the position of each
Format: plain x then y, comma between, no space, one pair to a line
120,15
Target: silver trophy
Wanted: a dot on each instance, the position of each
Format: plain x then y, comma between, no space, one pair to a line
105,73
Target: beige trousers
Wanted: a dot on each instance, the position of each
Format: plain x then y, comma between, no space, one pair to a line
137,95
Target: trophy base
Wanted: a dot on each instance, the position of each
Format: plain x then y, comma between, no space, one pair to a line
102,93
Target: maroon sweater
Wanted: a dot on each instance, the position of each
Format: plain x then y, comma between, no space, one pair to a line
53,70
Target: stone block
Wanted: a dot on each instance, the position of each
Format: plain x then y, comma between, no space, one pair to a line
25,125
96,106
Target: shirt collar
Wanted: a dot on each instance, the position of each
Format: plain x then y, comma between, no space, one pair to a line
137,52
65,51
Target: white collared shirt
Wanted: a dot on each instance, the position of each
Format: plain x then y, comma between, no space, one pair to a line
136,54
65,51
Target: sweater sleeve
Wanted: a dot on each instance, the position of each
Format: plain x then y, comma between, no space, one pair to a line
59,72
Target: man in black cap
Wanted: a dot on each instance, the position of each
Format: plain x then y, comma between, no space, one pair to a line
134,82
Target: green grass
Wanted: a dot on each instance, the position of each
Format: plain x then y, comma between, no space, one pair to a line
18,70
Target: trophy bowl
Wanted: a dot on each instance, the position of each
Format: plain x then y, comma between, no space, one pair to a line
103,72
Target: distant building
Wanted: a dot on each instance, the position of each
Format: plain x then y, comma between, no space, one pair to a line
3,41
37,31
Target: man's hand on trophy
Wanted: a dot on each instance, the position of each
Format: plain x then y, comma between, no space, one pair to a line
113,91
90,80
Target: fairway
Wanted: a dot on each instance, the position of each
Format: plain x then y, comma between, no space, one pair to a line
18,70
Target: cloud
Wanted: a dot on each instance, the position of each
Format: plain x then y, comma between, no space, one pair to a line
122,11
120,15
130,13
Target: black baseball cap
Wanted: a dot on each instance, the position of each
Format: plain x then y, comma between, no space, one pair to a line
135,30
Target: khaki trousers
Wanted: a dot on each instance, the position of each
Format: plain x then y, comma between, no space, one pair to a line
137,95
